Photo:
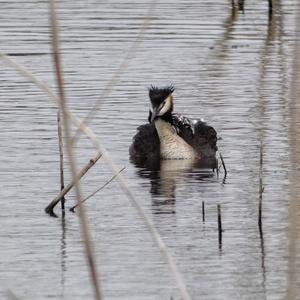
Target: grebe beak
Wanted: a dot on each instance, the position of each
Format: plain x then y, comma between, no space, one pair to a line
154,114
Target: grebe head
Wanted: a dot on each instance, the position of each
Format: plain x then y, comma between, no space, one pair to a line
161,103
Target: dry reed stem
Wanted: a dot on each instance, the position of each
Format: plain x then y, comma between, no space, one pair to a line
270,8
41,84
61,160
92,136
72,160
118,73
261,233
22,70
261,188
99,189
68,187
223,164
220,230
10,295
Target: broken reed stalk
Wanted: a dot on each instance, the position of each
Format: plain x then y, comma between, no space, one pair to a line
61,160
49,209
203,212
223,164
99,189
270,8
220,225
260,212
232,8
95,140
241,5
63,108
261,189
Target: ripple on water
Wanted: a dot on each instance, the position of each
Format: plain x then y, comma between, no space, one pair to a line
233,70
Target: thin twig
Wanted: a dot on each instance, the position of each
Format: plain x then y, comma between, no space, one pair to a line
203,212
72,209
72,160
61,160
270,8
260,228
261,188
223,164
69,186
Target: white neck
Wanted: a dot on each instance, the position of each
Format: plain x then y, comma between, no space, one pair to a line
172,146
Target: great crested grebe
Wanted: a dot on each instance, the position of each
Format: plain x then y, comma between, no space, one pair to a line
170,135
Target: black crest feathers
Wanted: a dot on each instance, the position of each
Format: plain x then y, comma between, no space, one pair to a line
158,95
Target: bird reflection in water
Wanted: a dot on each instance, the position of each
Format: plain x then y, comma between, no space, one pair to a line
165,175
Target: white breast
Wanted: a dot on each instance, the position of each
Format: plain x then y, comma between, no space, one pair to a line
172,146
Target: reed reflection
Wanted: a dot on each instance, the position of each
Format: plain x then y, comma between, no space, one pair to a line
63,252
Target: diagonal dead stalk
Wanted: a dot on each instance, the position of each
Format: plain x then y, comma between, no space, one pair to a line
10,295
99,189
43,86
72,160
122,68
22,70
68,187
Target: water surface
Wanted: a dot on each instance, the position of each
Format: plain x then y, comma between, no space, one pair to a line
232,69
